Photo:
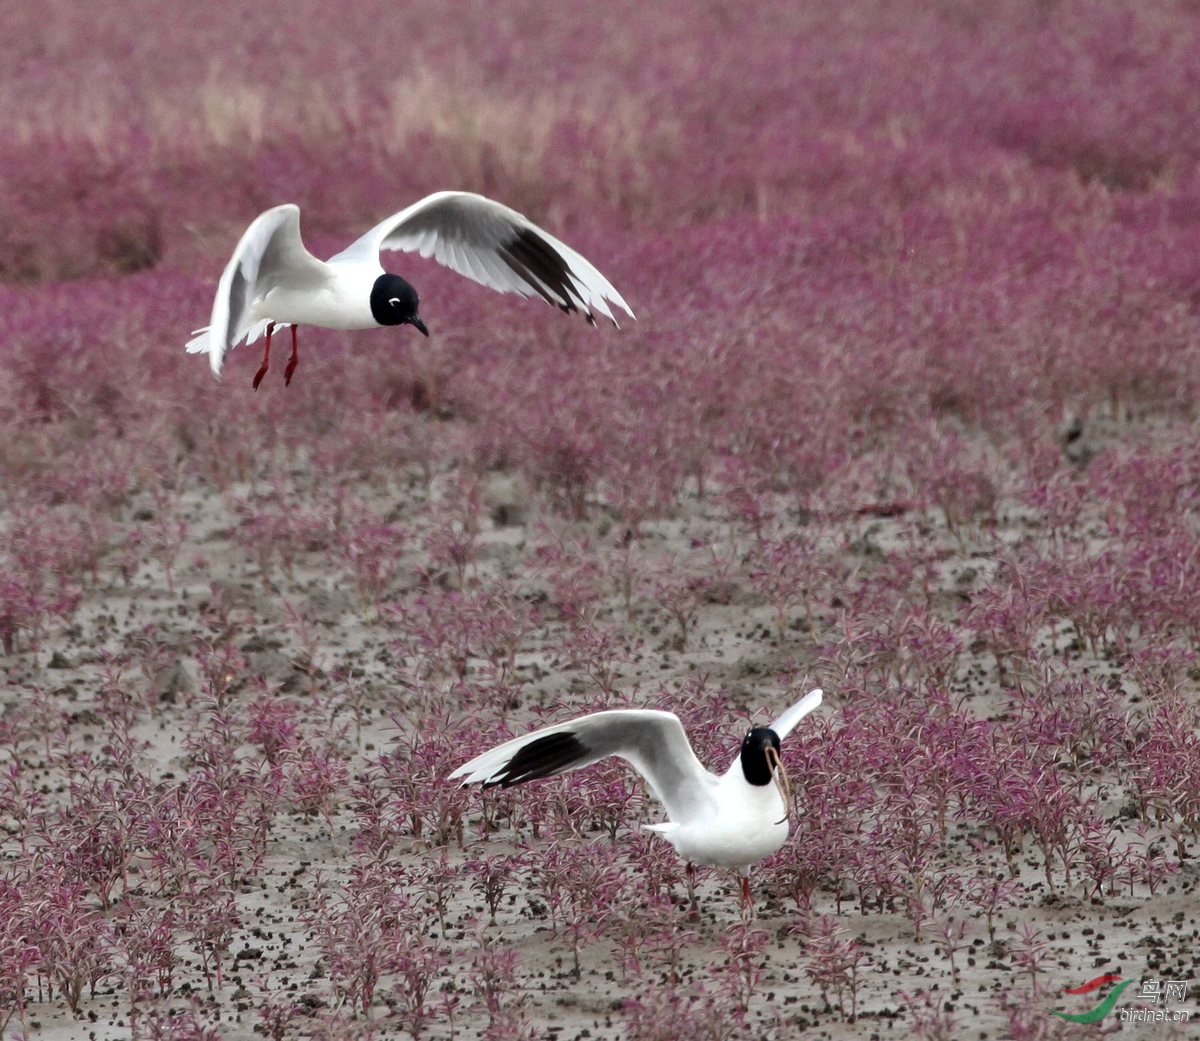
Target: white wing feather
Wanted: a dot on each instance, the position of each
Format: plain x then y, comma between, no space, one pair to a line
269,250
788,719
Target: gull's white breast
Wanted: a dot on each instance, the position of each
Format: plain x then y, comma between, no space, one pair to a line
745,824
341,300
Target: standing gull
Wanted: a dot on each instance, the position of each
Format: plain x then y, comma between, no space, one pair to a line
733,820
272,280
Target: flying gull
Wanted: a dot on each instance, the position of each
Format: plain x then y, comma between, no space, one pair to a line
273,281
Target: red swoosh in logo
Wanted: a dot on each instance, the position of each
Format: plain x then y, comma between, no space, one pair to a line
1092,985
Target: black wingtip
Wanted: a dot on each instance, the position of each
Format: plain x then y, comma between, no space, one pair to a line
543,268
541,758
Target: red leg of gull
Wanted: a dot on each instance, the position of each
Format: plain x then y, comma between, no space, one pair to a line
747,899
693,906
292,361
266,362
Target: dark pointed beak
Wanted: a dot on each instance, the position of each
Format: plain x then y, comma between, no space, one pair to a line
415,321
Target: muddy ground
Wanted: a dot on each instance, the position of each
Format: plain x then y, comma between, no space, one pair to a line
349,663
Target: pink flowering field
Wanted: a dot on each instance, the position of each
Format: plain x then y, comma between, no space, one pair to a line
909,412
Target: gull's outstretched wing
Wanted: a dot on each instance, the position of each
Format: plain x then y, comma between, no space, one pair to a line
652,742
496,247
270,253
791,716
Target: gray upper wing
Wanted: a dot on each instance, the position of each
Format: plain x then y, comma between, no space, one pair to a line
652,742
494,246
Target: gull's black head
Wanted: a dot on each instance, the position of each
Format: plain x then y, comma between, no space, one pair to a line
756,765
394,302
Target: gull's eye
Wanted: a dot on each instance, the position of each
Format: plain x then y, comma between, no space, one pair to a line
394,301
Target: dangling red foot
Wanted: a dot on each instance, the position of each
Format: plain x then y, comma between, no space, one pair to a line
266,362
292,361
693,907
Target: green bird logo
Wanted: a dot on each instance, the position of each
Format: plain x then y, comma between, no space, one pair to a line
1101,1010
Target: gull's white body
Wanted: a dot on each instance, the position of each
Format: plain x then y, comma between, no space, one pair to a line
333,303
743,825
272,277
720,820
